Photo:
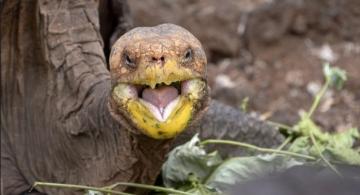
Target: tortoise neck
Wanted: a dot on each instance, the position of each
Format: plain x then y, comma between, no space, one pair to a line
151,155
147,154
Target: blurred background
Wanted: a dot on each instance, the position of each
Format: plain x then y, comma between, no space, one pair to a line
272,52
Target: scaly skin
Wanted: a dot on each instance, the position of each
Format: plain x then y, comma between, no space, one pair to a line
56,92
148,56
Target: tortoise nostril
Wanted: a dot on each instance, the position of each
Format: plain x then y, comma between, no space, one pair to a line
155,59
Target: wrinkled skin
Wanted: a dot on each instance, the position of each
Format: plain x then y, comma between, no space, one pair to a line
58,121
150,64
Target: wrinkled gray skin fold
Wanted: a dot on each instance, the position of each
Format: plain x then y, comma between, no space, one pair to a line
55,123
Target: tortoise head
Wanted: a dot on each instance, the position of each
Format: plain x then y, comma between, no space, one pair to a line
158,80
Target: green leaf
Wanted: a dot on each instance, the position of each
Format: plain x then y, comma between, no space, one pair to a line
301,145
203,190
345,139
340,146
343,155
336,147
335,75
240,169
306,125
189,163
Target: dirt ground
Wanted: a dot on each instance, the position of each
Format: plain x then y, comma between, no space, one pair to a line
272,52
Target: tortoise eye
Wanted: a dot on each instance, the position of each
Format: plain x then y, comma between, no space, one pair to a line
129,61
188,55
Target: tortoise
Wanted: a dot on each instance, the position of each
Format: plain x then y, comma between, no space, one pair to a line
66,118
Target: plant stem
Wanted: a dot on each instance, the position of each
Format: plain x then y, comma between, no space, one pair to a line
332,167
310,113
318,98
151,187
288,139
229,142
279,125
80,187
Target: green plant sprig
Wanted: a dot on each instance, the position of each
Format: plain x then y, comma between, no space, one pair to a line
332,167
109,188
150,187
260,149
78,187
333,77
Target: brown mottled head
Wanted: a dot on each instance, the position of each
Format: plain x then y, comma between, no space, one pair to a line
159,79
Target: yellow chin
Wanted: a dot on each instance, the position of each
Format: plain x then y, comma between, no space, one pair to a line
172,126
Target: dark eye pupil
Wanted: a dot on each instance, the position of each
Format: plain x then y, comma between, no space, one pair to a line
188,54
128,60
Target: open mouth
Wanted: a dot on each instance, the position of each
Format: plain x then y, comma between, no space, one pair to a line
161,99
162,110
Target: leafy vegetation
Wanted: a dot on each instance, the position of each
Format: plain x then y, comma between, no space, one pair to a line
191,170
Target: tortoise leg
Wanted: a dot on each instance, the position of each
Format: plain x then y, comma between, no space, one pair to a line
12,181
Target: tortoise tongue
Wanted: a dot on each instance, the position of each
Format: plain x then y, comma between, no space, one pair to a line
160,97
